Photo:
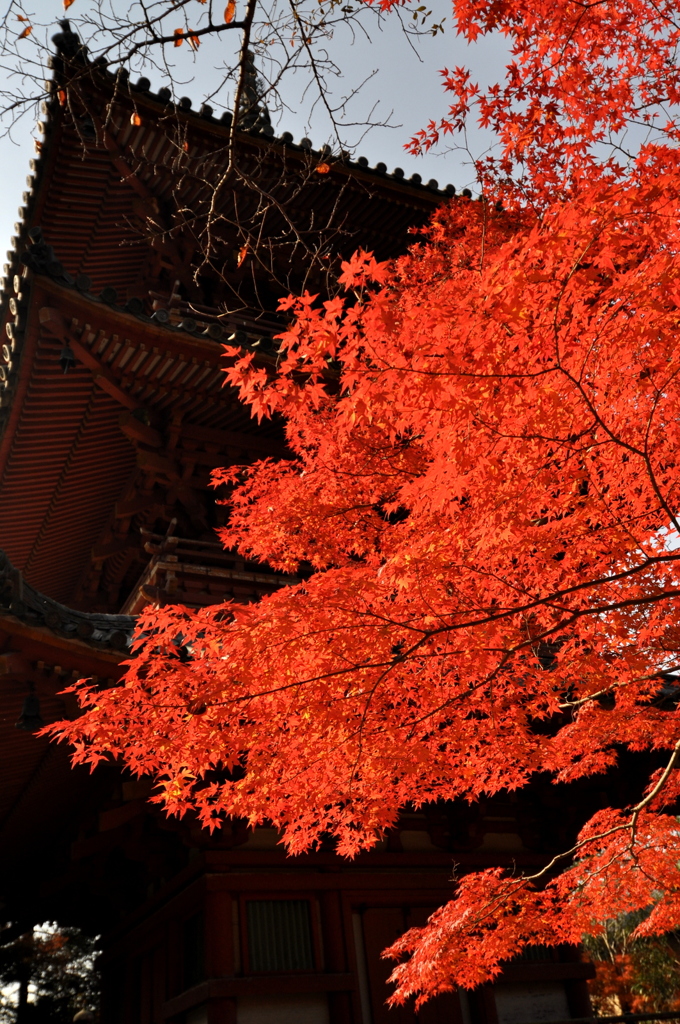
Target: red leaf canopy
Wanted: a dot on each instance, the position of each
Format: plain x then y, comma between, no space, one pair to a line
487,490
483,500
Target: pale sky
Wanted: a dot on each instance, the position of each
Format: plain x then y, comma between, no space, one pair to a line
406,89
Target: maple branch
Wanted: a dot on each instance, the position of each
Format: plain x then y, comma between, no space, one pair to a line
552,599
614,686
428,634
628,447
659,785
240,87
501,900
188,34
577,847
315,70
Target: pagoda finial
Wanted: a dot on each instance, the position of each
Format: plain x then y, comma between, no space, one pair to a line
252,108
67,42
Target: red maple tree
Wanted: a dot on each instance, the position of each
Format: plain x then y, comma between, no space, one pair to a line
591,88
485,483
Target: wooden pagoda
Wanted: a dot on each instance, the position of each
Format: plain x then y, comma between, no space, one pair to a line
112,416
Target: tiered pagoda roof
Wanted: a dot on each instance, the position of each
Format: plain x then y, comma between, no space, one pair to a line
107,279
44,647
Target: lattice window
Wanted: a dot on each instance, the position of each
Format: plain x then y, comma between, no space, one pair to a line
279,935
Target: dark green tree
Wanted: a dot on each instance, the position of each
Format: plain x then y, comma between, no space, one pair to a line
47,974
634,973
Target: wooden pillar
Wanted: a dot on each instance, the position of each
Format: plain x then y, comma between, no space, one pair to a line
443,1009
221,1011
335,954
381,926
174,958
146,986
219,934
483,1005
578,998
159,961
113,992
332,927
22,1005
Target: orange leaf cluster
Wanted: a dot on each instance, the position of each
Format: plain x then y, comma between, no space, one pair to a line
485,483
191,37
481,510
578,76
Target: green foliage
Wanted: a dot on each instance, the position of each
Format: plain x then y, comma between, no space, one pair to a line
634,973
656,974
46,975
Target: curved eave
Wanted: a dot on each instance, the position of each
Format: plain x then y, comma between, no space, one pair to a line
83,192
157,106
64,459
74,656
40,792
26,612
